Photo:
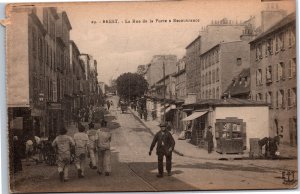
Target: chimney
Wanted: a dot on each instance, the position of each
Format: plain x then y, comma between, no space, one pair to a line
271,15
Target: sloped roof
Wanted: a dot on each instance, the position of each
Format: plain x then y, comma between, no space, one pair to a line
285,21
239,85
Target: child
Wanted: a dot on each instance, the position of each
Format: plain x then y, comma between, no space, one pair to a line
63,145
81,139
92,134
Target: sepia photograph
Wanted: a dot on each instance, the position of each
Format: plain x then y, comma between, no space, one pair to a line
151,96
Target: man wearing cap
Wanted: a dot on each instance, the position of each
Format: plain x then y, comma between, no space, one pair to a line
165,145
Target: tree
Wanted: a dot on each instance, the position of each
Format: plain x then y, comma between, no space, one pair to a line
131,85
141,69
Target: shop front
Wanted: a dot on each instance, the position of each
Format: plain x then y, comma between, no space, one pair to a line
55,120
234,122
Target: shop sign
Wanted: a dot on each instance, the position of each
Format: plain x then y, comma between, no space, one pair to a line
54,106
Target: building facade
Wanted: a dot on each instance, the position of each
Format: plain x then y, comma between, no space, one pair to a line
219,31
273,76
193,50
220,64
180,80
155,68
42,80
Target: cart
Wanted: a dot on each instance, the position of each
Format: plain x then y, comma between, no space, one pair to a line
124,108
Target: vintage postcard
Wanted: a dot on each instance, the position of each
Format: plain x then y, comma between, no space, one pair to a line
151,96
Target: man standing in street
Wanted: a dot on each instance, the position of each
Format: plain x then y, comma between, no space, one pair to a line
209,139
165,146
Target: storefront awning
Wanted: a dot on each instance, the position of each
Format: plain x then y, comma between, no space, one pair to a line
194,116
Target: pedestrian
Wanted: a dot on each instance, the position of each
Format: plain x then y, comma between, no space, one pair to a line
140,112
169,127
38,148
209,139
153,113
17,154
81,141
145,114
108,104
29,149
165,146
103,144
63,144
92,134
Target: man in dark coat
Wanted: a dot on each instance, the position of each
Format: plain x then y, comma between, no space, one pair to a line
165,145
209,139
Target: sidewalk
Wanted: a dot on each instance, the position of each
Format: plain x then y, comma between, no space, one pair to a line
184,148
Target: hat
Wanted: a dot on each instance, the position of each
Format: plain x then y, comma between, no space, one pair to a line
63,130
162,124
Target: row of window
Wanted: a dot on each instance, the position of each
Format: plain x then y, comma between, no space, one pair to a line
278,72
209,59
280,99
210,77
45,53
213,93
280,41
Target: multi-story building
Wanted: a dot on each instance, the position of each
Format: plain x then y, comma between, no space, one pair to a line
65,73
180,80
273,76
90,67
77,73
40,82
220,64
155,68
193,51
93,81
31,75
217,32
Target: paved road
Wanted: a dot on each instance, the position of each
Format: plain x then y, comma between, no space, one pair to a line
134,170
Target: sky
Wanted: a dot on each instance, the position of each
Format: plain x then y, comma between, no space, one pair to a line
121,47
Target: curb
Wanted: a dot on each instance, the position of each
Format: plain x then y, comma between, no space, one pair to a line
142,122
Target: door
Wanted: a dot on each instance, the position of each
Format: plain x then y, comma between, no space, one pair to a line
293,131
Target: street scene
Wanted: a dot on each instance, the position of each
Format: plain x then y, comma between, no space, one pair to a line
184,100
134,170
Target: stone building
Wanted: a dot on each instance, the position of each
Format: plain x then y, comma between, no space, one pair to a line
220,64
180,80
193,51
273,76
77,75
65,74
155,68
41,90
218,32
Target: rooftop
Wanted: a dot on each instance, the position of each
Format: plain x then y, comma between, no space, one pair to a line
282,23
240,84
